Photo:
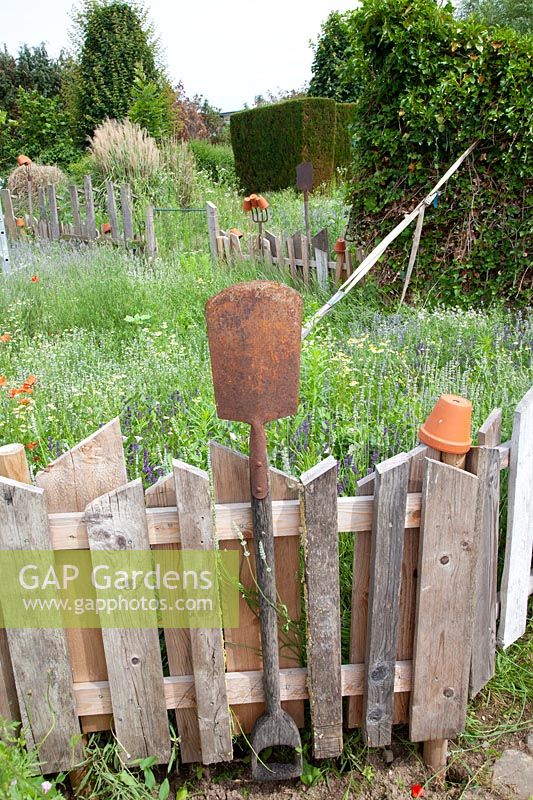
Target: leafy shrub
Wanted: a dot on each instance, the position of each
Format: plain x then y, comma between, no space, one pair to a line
152,107
41,130
269,142
216,160
176,177
84,165
428,86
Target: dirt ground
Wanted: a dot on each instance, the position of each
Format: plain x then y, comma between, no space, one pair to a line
468,778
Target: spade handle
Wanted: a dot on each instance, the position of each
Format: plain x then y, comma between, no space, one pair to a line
258,461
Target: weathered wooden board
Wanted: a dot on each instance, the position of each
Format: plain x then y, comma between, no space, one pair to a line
93,467
213,228
193,501
292,257
390,502
243,644
305,259
443,631
127,214
321,555
9,216
243,688
178,640
90,218
150,244
490,433
112,211
54,213
117,522
485,463
75,207
39,655
514,590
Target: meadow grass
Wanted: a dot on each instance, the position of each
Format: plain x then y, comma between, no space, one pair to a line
105,335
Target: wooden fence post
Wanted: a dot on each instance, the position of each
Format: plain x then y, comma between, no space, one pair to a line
54,213
321,553
149,233
90,219
213,229
75,206
514,590
42,670
112,211
194,512
390,504
321,245
127,214
9,216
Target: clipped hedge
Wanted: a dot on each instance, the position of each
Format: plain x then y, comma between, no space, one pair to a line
343,134
270,141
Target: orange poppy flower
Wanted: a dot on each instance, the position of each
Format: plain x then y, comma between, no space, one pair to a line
3,380
24,401
6,337
31,445
35,279
26,389
14,392
31,380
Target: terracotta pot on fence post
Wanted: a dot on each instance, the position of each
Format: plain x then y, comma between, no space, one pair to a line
339,249
447,429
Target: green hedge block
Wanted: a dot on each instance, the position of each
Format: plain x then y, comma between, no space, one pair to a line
269,142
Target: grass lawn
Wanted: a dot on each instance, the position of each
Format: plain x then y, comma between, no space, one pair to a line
105,336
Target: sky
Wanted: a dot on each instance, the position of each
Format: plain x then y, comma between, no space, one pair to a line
229,51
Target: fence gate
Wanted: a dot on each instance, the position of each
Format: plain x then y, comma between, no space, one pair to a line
181,230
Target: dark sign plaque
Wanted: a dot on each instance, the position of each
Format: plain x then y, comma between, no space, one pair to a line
304,176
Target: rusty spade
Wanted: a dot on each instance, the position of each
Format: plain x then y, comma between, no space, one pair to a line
254,332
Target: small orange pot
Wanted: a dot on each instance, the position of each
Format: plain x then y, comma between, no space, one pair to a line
106,227
23,161
340,246
236,232
21,223
262,202
247,204
448,427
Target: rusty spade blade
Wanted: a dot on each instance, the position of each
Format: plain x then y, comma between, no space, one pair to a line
254,332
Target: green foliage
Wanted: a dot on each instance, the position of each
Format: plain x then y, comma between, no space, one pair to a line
33,70
151,106
331,51
270,141
41,131
215,160
516,14
19,770
115,40
343,134
432,85
8,80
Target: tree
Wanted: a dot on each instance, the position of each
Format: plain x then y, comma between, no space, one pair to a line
152,107
8,80
36,71
115,40
332,52
516,14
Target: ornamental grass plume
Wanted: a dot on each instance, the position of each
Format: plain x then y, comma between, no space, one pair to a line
125,153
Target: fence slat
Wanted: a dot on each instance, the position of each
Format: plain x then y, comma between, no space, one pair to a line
292,258
95,466
359,606
149,233
9,216
235,247
514,590
127,214
112,211
177,640
90,219
390,502
40,656
54,213
490,433
132,654
321,549
305,259
265,248
213,229
231,483
485,463
193,501
75,207
443,633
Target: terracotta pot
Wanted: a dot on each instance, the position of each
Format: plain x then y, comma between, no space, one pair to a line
23,161
20,222
106,227
247,204
253,200
340,246
262,202
236,232
448,427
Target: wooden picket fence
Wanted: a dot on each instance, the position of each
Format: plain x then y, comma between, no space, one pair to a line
291,253
44,222
424,606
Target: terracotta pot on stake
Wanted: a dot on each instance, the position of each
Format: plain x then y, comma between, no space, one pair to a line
448,430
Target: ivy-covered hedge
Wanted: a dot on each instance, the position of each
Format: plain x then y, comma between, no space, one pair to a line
343,134
428,86
268,142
